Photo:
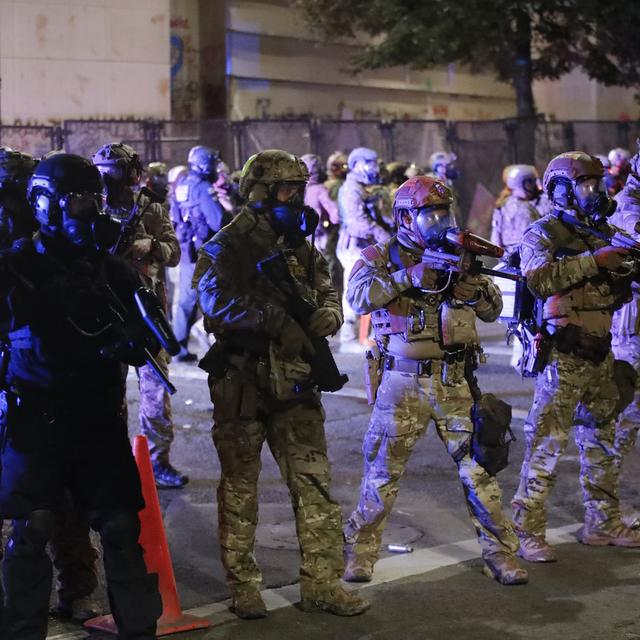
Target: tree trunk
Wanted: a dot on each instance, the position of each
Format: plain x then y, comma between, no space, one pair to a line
524,151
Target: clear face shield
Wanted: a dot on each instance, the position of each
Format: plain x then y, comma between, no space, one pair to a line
592,198
368,171
429,222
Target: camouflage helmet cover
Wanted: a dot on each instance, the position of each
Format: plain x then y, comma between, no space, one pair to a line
571,166
157,169
421,191
264,169
337,159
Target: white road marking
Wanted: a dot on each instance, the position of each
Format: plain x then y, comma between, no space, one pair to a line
389,569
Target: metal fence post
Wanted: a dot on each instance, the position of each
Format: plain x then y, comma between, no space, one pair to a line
623,134
386,131
569,135
315,133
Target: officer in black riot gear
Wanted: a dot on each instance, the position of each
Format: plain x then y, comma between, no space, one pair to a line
197,215
62,428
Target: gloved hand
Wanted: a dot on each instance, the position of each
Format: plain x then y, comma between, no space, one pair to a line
466,288
422,276
324,322
140,248
294,341
610,258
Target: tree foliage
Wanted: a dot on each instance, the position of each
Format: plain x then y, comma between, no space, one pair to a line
518,41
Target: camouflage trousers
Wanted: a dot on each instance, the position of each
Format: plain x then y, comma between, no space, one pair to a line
156,418
628,421
569,384
405,405
296,439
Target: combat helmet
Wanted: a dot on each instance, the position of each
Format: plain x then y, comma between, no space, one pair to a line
119,162
267,168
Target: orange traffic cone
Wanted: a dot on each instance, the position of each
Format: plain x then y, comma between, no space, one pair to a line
363,330
156,556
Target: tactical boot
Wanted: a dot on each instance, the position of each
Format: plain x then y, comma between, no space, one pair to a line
631,519
78,610
167,476
535,548
247,603
503,567
618,535
337,601
357,568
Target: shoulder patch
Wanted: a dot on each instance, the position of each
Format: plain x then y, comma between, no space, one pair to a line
371,253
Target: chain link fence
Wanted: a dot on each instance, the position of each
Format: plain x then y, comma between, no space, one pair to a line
483,147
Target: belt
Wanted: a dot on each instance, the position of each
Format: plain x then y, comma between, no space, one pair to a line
422,367
406,365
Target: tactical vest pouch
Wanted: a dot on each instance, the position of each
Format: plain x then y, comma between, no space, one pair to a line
457,325
372,372
289,380
492,435
572,339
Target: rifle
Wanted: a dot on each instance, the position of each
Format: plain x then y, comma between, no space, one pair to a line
131,222
151,312
613,236
324,371
458,251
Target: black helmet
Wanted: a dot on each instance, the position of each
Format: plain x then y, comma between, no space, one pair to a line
16,219
119,162
15,167
203,161
65,194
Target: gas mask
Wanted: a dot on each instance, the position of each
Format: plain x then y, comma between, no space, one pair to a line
531,188
592,199
75,217
427,226
367,172
290,217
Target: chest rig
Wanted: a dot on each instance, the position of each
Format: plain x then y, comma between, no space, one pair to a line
413,314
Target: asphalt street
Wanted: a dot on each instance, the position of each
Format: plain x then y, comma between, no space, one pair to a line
435,592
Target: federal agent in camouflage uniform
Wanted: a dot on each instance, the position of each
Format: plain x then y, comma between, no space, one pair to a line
425,329
150,247
360,223
197,215
576,277
517,211
626,322
261,387
317,197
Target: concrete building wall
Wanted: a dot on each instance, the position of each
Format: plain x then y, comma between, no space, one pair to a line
84,59
276,67
576,97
